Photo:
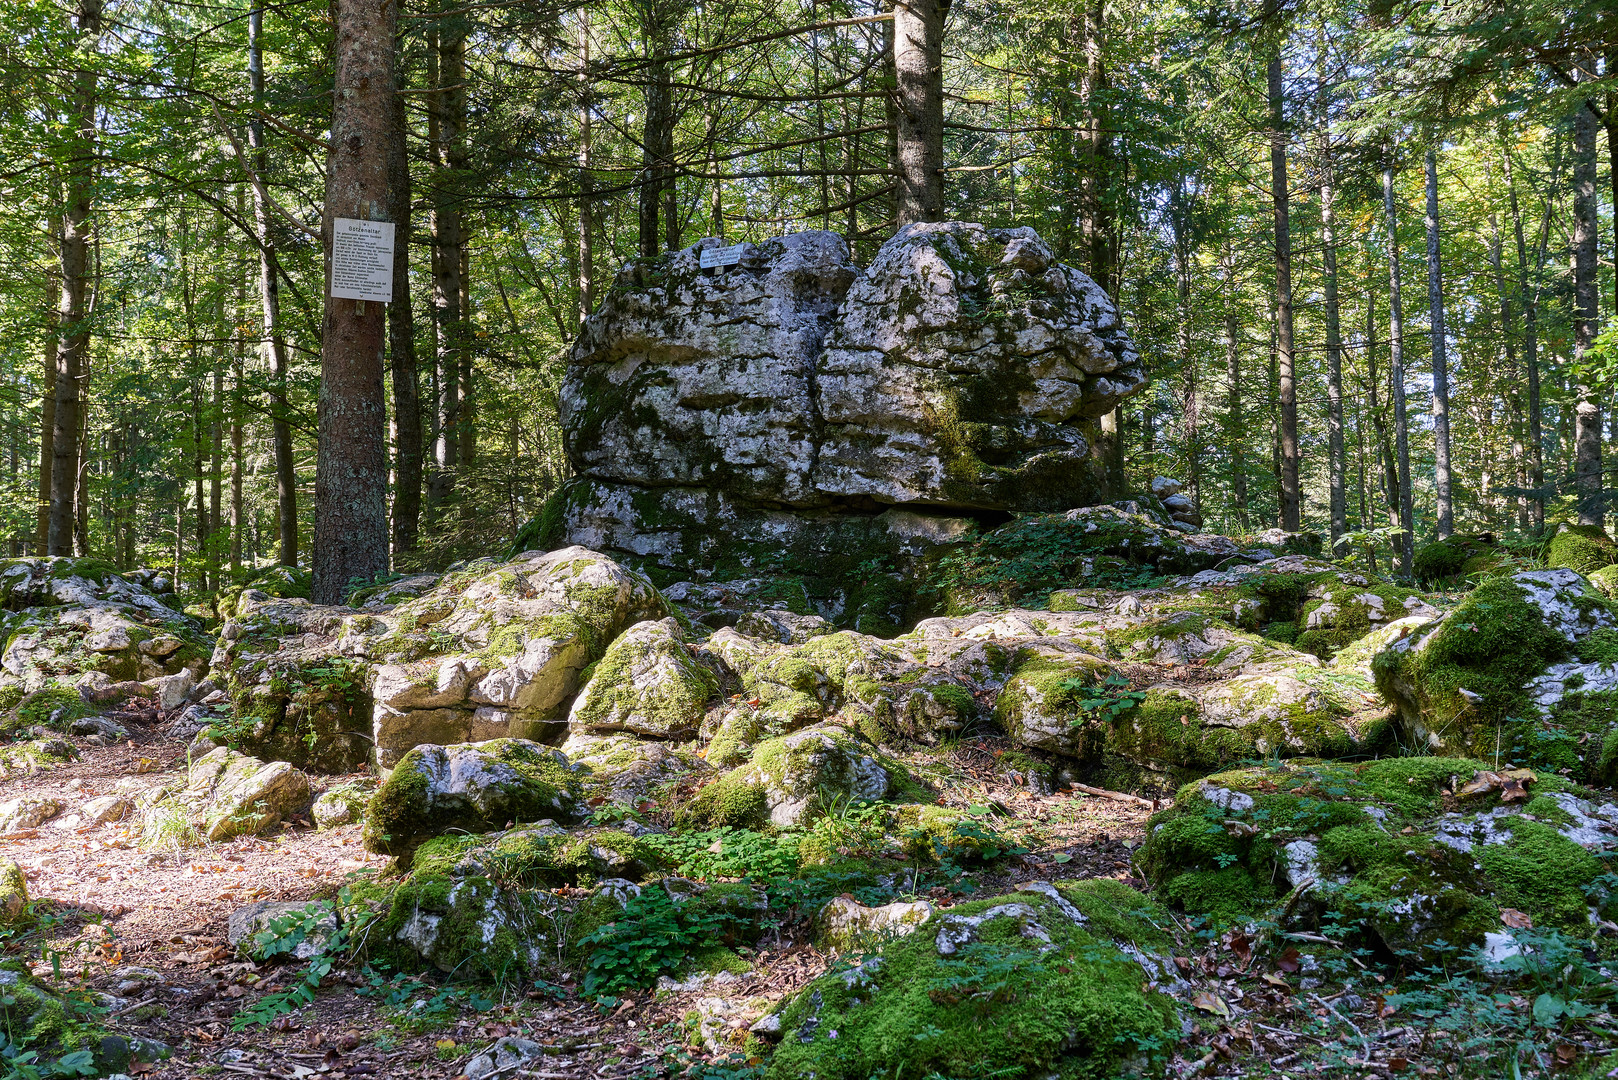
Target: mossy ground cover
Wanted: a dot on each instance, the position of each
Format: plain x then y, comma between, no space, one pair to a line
1394,845
1031,993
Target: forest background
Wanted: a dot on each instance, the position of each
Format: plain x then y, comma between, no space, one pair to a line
1367,251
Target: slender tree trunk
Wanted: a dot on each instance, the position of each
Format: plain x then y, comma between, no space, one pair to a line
1235,427
351,474
1387,460
47,406
587,283
918,62
73,344
1530,305
1396,374
1442,478
1586,315
402,345
1189,400
237,521
286,474
1291,495
449,107
1334,350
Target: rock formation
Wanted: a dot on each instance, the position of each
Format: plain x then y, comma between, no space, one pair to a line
793,409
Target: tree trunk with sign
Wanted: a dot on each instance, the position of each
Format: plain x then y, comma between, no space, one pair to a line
351,520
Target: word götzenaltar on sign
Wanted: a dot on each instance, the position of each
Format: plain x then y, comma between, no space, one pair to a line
361,260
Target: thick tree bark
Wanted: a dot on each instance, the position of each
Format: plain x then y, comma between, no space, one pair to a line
918,64
1338,464
351,517
657,132
587,284
1586,315
402,346
1286,360
1396,374
73,341
275,348
1442,478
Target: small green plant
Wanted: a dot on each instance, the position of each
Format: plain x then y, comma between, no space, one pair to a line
654,936
282,937
1106,701
167,825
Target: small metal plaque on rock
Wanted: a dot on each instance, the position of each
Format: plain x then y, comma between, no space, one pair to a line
722,256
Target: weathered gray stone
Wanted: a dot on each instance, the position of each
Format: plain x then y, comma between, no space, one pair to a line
236,795
647,683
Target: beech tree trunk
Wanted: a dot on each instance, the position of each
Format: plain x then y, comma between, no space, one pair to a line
918,64
1442,479
1396,375
275,348
351,516
1286,361
73,340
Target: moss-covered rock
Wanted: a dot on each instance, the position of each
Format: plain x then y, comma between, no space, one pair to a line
795,778
1605,581
1450,560
343,804
1584,548
625,770
1029,985
1040,705
1399,846
647,683
1461,682
231,794
13,892
469,787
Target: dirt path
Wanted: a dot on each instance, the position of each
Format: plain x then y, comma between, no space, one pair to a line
148,925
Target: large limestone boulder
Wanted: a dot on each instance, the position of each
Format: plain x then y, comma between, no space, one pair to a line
967,368
626,770
1070,1001
793,406
469,787
1422,853
647,683
1517,672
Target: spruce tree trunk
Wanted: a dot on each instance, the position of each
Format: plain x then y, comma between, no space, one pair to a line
918,64
1286,360
1396,374
449,138
657,130
275,348
1586,315
402,346
587,294
351,475
1095,199
1442,479
73,341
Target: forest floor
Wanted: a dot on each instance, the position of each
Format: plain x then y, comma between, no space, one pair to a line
148,925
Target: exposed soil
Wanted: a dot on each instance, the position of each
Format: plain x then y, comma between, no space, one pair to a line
149,927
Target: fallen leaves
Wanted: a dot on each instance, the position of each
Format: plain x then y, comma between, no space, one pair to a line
1210,1002
1512,784
1517,920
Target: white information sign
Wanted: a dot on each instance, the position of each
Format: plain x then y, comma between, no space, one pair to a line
362,260
723,256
